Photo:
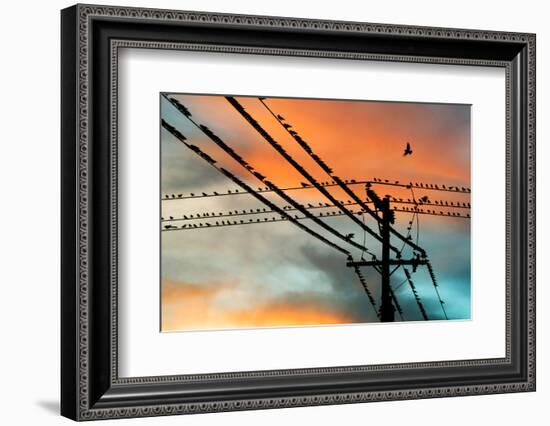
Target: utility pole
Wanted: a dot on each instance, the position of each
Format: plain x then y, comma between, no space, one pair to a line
387,309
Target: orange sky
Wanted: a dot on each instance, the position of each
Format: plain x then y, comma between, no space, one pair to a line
191,307
361,139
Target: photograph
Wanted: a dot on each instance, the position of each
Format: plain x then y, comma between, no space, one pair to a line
293,212
274,207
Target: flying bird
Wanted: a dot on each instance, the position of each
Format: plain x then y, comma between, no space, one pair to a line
408,150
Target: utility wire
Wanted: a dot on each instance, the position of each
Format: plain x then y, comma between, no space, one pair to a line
235,191
269,139
415,294
204,215
305,146
218,141
247,188
265,220
434,282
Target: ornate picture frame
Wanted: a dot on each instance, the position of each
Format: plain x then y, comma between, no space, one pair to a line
91,39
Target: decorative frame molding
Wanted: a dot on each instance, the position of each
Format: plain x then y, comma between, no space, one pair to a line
91,37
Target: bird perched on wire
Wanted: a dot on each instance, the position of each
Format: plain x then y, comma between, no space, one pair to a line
408,150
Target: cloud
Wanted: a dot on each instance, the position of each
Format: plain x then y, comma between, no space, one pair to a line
192,307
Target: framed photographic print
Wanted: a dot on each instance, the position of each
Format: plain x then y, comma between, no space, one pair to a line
263,212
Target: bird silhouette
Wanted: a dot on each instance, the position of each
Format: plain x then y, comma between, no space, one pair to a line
408,150
280,117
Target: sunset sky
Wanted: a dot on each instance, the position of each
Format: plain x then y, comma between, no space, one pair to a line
275,274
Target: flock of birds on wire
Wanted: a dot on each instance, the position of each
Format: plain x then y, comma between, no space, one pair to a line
303,185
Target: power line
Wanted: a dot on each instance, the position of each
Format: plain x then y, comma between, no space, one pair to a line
434,282
363,282
415,294
244,186
231,192
204,215
305,146
231,152
421,185
205,225
269,139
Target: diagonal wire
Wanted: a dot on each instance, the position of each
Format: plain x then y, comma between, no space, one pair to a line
247,188
218,141
434,282
415,293
240,109
363,282
340,183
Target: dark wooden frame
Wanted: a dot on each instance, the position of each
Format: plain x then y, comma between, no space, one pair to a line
90,386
